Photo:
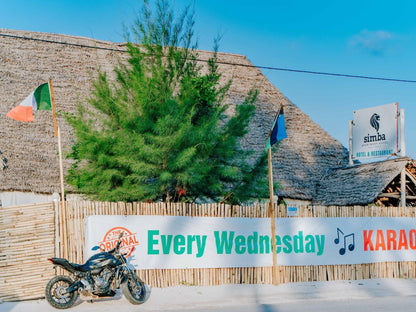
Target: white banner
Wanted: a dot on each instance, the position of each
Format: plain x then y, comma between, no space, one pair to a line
375,132
167,242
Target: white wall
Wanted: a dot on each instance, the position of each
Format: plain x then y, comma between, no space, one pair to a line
23,198
296,202
8,199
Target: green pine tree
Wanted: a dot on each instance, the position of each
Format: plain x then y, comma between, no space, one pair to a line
160,132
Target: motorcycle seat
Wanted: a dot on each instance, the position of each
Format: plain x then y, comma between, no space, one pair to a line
71,267
80,267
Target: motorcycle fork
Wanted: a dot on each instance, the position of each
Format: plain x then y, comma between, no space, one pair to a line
133,276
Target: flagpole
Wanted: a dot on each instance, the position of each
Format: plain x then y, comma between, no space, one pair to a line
272,217
276,136
63,214
61,173
55,125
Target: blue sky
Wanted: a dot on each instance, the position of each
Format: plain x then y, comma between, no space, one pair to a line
368,38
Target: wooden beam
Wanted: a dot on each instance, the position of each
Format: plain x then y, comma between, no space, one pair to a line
393,195
410,176
390,195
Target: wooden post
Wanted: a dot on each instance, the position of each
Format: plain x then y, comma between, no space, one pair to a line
272,218
63,212
55,125
55,199
62,217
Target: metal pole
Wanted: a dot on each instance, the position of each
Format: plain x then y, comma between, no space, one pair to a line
403,188
350,152
402,153
402,143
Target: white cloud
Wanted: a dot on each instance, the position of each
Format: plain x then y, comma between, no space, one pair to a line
375,42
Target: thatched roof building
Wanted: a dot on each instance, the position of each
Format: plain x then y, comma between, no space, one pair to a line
29,150
377,182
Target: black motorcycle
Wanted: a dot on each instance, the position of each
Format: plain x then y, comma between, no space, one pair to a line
98,277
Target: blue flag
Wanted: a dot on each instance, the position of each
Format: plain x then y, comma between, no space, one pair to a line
278,131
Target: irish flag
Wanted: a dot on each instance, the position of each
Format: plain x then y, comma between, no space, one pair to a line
39,99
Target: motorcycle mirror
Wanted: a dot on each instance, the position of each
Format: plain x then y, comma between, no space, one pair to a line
121,234
95,248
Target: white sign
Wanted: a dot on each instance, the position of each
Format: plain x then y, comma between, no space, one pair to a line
292,211
168,242
375,132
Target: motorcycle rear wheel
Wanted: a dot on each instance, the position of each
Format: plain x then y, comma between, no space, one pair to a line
135,294
56,295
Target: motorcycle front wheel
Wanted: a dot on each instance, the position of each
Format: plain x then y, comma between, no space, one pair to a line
135,294
56,294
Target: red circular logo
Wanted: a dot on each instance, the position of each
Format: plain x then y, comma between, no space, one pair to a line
128,240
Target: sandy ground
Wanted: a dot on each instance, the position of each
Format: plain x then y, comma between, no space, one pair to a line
183,298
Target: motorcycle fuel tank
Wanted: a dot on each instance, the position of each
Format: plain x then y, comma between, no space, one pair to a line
102,260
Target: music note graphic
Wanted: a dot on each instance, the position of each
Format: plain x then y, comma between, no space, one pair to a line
336,240
350,246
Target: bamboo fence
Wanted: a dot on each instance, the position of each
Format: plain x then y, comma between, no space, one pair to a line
27,240
31,234
76,212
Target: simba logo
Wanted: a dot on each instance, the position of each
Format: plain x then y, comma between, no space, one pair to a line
375,123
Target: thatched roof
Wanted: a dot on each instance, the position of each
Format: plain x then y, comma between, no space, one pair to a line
358,184
31,148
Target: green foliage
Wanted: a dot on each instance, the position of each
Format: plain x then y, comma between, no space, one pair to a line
159,132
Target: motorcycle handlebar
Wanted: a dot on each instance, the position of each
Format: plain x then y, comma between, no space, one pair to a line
119,240
117,247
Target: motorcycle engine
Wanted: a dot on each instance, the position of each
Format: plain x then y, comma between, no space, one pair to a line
103,280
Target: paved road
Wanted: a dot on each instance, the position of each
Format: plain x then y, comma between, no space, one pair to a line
352,305
365,295
356,305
